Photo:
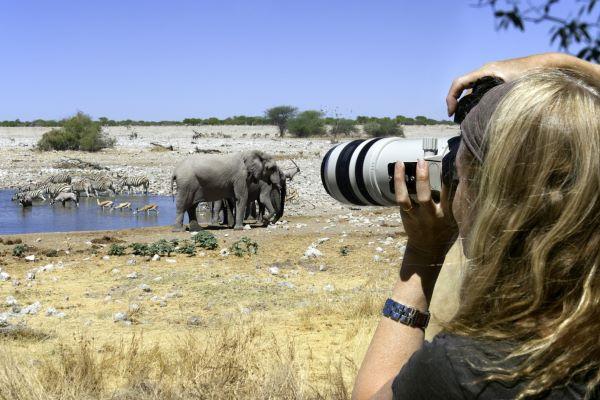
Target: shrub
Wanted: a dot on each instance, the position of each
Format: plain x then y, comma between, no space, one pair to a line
342,126
383,127
187,247
140,249
19,250
244,246
116,250
77,133
307,123
163,248
206,240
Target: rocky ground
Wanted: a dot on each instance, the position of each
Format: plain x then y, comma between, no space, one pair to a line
20,163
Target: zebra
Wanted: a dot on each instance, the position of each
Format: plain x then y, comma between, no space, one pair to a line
82,185
62,177
53,189
32,194
103,184
134,181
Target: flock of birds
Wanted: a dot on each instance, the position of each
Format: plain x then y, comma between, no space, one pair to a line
65,188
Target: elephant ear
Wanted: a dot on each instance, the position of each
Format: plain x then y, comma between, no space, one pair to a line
254,164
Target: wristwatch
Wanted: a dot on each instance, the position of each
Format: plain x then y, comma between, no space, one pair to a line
405,315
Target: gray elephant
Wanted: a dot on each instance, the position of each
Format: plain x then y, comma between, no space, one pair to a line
269,193
212,177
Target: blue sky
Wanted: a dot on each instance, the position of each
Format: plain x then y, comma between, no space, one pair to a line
157,60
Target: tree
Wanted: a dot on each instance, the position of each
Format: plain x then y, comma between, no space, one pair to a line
77,133
342,126
280,116
580,29
307,123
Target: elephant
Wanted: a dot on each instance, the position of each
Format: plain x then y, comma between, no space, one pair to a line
212,177
269,193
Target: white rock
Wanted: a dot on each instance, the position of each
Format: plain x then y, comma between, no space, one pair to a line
323,267
132,275
38,240
4,320
247,227
376,258
286,284
120,316
53,312
329,288
133,307
30,258
115,271
155,298
30,276
106,258
379,249
155,257
171,260
322,240
11,301
131,261
145,287
31,309
312,252
46,268
89,243
157,279
4,276
274,270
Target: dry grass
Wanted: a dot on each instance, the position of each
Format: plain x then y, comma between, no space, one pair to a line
240,361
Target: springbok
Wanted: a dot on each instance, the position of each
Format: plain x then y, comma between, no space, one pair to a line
123,206
147,208
104,204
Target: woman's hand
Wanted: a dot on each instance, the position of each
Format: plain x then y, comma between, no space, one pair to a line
430,227
512,69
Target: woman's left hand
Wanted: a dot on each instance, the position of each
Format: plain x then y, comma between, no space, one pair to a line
430,226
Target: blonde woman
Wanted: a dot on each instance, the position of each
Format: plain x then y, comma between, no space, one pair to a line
527,208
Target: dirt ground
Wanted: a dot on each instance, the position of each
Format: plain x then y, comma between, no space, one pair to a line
327,306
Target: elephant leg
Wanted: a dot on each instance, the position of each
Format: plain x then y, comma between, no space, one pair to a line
229,212
194,226
265,200
216,207
181,208
261,213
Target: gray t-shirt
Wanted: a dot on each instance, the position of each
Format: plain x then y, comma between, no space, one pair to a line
441,370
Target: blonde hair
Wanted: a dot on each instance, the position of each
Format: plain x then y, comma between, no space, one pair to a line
533,278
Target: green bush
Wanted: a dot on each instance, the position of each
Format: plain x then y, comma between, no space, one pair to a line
187,247
19,250
307,123
116,250
140,249
342,126
163,248
77,133
383,127
280,116
244,246
206,240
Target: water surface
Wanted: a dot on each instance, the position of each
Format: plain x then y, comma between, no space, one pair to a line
43,217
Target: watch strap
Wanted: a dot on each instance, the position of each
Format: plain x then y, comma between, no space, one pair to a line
405,315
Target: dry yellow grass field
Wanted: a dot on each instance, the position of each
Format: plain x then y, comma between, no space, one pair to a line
211,326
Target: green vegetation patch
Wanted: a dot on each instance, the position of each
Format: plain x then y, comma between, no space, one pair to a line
116,250
206,240
244,246
19,250
77,133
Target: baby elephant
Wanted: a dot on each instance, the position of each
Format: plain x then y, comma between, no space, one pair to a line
64,197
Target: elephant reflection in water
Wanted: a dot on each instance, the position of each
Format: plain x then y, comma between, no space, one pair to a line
213,177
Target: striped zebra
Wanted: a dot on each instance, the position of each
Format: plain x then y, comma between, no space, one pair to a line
82,185
134,182
103,184
53,189
62,177
32,194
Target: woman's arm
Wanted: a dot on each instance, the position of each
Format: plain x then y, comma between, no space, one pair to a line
431,232
512,69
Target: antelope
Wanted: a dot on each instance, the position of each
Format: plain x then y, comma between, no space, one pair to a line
147,208
105,203
123,206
